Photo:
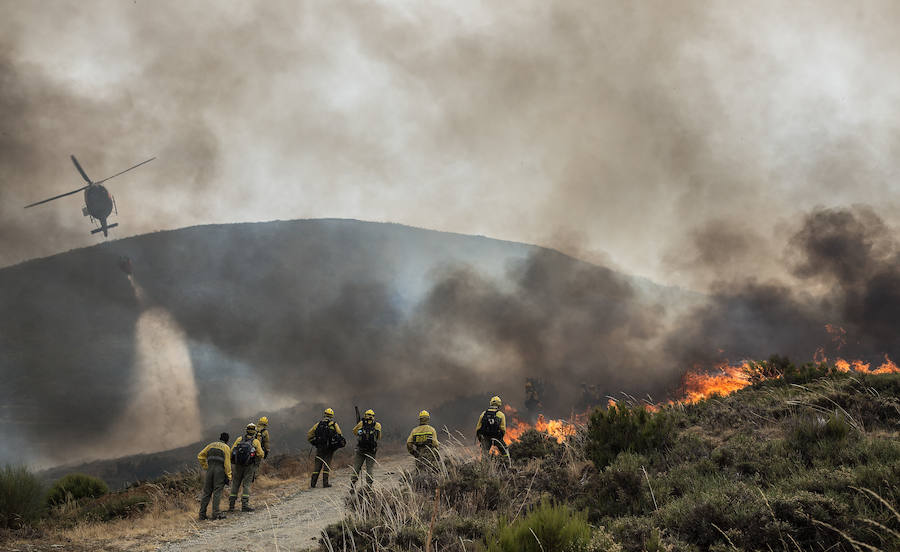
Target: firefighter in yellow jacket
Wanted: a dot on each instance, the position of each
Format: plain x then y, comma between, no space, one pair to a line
423,443
215,458
246,454
326,436
491,428
368,433
262,433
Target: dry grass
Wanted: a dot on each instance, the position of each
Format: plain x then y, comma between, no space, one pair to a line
170,515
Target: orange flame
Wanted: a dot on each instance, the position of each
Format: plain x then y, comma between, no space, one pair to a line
515,427
697,385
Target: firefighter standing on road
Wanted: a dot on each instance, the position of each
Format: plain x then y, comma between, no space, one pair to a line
326,436
262,433
368,432
246,454
491,428
423,443
216,460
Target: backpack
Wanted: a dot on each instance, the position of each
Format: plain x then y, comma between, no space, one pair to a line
323,433
244,453
368,436
490,424
337,441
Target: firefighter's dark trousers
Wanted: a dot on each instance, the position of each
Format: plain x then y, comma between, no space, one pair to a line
367,458
323,464
242,477
212,487
487,443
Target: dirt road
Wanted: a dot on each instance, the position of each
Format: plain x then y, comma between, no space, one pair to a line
293,523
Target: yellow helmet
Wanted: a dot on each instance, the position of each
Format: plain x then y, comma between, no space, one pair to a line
329,413
495,401
369,413
251,428
424,416
263,421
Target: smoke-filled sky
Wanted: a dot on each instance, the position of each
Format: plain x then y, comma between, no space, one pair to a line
618,132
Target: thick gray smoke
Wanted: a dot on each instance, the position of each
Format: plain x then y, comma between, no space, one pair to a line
603,129
712,147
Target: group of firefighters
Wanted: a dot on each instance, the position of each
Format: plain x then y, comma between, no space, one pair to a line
237,465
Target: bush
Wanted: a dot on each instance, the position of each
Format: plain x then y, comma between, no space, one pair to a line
534,444
117,507
548,528
21,497
624,429
621,489
819,438
735,508
76,486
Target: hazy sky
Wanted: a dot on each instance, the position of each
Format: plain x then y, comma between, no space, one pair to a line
615,131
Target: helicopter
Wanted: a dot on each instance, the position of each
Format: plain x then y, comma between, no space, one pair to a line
98,204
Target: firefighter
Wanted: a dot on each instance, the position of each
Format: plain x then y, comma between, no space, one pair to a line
246,454
215,458
326,436
262,432
491,428
368,432
423,443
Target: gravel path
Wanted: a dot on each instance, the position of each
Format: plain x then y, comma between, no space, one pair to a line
293,523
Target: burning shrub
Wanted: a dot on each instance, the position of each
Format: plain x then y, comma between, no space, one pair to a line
626,429
534,444
76,486
21,497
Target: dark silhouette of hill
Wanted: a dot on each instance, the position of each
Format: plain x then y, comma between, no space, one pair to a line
311,311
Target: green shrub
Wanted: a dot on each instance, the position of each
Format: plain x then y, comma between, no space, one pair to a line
634,532
21,497
735,508
621,488
534,444
547,528
472,486
819,438
116,507
76,486
625,429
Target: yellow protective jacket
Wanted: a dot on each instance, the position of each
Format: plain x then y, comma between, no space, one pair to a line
500,416
256,445
263,436
311,434
358,426
420,437
216,452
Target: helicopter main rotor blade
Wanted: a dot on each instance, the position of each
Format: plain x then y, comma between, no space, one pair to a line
77,166
57,197
125,171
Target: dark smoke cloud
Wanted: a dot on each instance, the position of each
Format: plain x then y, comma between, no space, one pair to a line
844,267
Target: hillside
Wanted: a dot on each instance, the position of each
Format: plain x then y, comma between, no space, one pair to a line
804,461
226,321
